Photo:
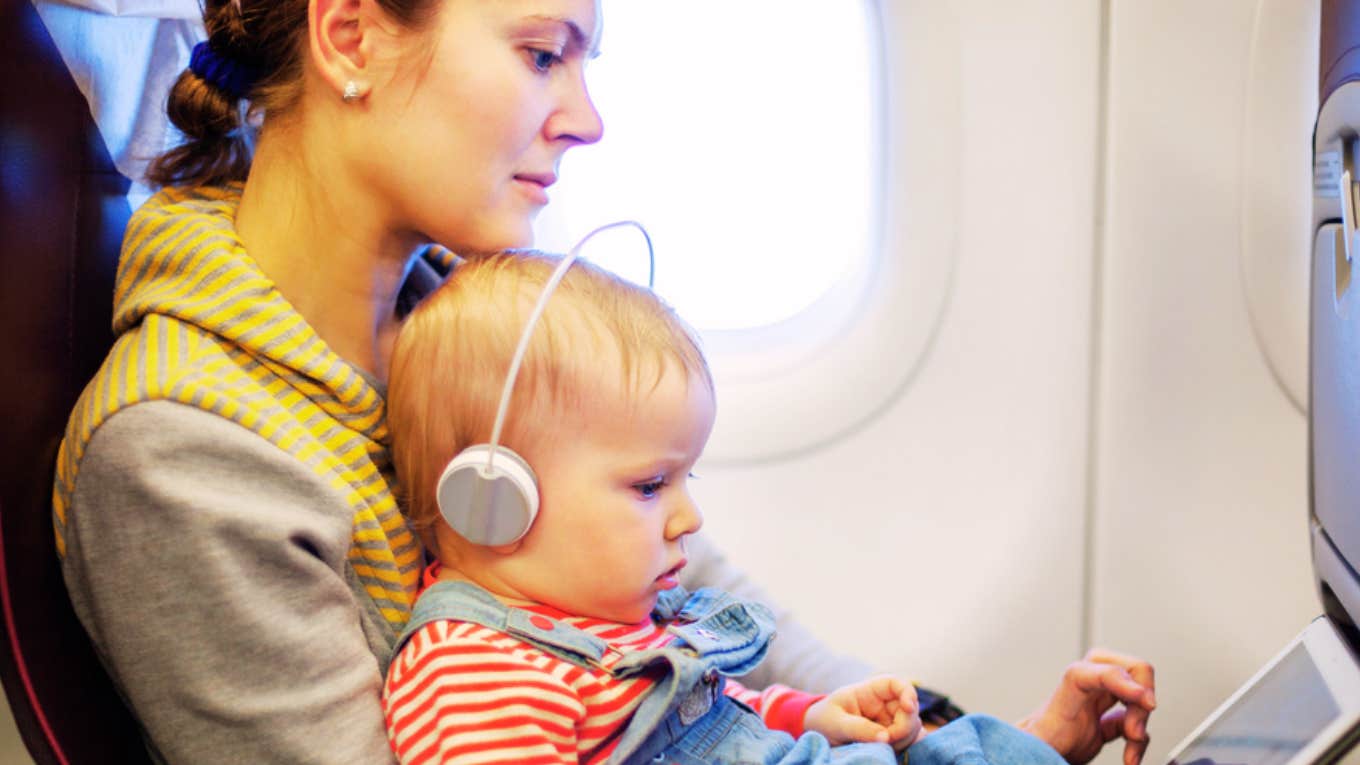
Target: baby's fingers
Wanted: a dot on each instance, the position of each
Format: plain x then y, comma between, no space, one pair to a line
863,730
881,697
905,727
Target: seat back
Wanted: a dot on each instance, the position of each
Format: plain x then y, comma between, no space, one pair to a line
62,214
1334,343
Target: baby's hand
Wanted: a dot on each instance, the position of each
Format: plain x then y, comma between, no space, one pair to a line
882,709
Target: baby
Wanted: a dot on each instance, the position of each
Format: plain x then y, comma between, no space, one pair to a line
561,634
574,642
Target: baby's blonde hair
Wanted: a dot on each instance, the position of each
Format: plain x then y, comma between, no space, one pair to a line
451,359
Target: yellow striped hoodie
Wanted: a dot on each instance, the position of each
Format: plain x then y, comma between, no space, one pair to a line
199,324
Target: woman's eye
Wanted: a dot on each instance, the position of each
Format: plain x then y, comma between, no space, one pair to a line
543,60
649,489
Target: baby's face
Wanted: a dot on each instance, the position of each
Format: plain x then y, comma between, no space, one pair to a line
615,502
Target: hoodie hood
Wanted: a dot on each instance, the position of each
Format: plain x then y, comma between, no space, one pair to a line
199,324
182,259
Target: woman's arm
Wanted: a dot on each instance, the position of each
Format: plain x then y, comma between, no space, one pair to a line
797,658
210,570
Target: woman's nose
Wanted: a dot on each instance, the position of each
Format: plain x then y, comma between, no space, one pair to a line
577,119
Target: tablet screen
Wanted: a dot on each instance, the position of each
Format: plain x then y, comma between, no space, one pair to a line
1274,720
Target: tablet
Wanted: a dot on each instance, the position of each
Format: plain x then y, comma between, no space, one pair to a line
1302,708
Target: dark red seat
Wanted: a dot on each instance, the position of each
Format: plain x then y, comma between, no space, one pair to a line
62,214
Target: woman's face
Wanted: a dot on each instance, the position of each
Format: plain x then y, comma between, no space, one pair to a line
476,115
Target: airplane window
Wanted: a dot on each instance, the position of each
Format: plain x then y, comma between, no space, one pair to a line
745,137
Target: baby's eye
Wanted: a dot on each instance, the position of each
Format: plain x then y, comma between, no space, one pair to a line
543,60
649,489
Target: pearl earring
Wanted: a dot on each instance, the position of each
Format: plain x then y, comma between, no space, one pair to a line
351,93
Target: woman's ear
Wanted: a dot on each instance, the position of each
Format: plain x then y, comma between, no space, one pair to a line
336,31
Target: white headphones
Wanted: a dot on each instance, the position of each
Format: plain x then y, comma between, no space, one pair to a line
487,493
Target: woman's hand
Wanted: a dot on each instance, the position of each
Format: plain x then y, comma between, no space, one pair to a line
1100,698
881,709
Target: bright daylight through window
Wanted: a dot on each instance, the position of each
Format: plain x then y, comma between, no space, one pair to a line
742,135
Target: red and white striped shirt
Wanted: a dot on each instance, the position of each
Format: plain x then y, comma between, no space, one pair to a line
461,692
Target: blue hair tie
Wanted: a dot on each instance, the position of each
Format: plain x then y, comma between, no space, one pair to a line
224,73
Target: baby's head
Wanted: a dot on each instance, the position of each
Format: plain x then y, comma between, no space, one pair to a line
611,409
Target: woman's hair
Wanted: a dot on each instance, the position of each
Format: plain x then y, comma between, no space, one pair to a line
268,40
451,359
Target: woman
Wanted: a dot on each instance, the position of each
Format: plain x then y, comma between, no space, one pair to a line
223,504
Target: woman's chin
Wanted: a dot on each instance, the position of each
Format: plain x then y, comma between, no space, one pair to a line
509,235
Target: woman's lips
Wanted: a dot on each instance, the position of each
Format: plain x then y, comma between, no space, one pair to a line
535,185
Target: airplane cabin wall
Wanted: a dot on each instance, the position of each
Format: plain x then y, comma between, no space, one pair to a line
1118,166
1201,545
945,539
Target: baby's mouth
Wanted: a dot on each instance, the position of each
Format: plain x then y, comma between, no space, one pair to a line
673,571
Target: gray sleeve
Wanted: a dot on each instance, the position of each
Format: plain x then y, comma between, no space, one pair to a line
796,658
210,570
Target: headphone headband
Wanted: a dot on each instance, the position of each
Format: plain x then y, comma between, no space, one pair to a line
548,288
494,503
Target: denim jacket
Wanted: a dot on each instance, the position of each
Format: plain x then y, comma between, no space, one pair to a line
685,718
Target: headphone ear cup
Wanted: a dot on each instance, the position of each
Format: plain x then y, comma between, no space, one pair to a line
493,506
